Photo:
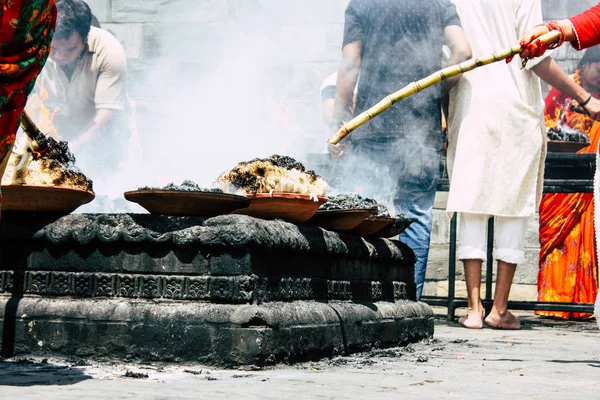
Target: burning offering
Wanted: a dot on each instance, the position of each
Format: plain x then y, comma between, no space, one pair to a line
187,199
566,134
276,174
44,178
344,212
563,139
54,166
378,222
186,186
279,187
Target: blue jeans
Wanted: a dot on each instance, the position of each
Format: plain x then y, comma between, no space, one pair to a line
402,174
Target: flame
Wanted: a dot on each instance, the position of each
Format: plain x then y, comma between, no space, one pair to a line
40,114
552,121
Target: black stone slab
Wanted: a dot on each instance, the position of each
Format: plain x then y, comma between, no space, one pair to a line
227,290
216,334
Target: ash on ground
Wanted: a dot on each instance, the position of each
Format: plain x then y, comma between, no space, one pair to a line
567,134
353,201
186,186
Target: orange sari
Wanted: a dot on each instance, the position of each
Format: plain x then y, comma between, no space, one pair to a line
568,264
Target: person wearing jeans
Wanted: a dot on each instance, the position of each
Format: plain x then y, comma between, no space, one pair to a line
391,44
403,174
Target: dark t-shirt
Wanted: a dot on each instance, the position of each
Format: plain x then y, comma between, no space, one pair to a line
401,43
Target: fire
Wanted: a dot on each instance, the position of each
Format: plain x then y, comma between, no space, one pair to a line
41,114
554,121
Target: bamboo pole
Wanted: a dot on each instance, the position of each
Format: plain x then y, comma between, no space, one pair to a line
437,77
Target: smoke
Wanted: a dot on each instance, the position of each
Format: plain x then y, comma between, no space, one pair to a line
209,95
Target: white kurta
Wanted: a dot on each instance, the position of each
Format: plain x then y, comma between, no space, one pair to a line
496,132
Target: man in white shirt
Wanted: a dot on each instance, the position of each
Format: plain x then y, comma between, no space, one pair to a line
85,78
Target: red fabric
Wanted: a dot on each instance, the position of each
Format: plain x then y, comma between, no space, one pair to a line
554,103
587,27
26,30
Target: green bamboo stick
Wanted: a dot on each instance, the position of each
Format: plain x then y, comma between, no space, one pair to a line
437,77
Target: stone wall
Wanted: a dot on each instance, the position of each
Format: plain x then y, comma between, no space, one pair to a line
300,40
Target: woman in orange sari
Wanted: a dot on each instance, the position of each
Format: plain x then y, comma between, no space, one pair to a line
568,263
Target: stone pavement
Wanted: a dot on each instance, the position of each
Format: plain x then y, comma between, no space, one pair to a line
548,359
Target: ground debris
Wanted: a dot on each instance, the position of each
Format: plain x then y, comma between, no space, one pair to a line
237,376
190,371
459,341
135,375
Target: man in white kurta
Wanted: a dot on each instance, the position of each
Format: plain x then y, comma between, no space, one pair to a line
497,147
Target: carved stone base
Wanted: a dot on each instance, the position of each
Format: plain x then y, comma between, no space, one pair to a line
227,290
216,334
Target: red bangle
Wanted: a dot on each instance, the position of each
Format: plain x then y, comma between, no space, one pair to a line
555,26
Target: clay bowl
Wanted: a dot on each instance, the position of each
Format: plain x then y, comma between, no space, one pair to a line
179,202
341,220
396,228
43,199
560,146
291,207
372,225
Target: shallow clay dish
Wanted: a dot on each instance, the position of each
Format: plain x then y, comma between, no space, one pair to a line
560,146
179,202
291,207
372,225
43,199
396,228
341,220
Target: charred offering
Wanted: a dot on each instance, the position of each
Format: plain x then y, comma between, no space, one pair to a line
186,186
47,164
567,134
353,201
277,173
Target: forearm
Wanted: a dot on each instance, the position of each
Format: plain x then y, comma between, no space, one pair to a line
567,27
550,72
102,120
460,50
344,91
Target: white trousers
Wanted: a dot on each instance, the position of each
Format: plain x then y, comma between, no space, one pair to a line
509,235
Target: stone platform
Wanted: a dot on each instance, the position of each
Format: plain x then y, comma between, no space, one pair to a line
228,290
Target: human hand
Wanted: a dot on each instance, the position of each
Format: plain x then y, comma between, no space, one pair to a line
337,150
592,108
534,46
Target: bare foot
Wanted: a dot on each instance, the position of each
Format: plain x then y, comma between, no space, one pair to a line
504,320
473,319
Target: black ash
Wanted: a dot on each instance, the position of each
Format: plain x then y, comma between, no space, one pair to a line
565,133
353,201
349,201
186,186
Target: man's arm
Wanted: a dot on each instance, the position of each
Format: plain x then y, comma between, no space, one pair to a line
347,78
582,30
344,90
457,42
550,72
110,95
101,121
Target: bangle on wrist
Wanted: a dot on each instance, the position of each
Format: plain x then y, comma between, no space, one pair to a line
586,101
556,26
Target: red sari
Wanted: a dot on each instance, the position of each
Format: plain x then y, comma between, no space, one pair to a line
587,28
568,263
26,30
